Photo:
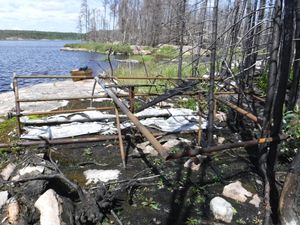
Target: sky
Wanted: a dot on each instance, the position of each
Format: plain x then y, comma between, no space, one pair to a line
41,15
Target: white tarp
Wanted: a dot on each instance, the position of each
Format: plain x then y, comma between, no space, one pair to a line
180,120
68,130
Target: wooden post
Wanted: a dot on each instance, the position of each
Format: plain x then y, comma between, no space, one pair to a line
120,137
17,103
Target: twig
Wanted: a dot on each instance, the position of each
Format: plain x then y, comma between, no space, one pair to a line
116,217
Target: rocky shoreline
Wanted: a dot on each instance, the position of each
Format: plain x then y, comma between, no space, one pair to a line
61,89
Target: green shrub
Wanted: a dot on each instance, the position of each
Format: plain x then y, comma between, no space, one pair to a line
103,47
166,51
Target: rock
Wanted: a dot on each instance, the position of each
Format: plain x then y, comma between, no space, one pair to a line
171,143
221,140
127,61
7,171
221,209
3,198
255,201
221,117
33,170
149,150
258,181
236,192
193,166
13,210
49,205
94,176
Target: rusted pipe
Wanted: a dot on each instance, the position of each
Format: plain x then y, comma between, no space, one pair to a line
50,77
148,135
61,141
218,148
66,141
118,95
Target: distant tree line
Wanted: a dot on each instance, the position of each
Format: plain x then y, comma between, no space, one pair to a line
145,22
153,22
22,34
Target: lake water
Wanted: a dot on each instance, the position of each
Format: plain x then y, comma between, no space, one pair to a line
43,58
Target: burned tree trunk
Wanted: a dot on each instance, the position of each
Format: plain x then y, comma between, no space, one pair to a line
182,30
278,78
296,73
211,98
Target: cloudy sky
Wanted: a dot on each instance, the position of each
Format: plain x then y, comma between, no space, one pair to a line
43,15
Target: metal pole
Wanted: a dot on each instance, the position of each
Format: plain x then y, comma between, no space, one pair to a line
157,146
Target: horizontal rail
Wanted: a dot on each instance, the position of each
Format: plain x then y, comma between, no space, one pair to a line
65,141
117,78
50,77
218,148
63,111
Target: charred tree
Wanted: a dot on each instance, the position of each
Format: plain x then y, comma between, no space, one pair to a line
296,69
211,97
182,31
277,85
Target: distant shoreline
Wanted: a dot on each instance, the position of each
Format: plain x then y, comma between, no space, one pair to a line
16,35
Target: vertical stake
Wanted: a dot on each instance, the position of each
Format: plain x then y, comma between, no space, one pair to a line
17,103
120,138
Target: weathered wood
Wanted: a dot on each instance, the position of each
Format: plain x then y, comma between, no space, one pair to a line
148,135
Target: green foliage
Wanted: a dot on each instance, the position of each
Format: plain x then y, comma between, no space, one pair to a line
189,103
7,127
263,82
103,47
166,51
291,123
149,202
24,34
193,221
37,117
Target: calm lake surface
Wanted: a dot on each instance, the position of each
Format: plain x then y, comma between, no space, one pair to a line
42,57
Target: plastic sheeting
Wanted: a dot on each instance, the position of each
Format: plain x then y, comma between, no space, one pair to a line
179,120
68,130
